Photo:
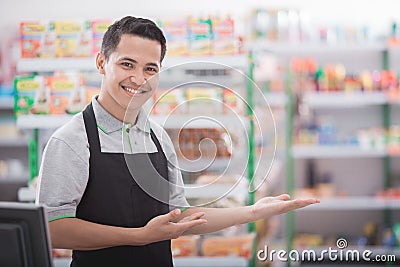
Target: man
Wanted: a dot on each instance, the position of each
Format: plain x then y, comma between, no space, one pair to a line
95,206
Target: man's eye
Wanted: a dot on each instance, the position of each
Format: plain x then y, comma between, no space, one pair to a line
150,69
127,64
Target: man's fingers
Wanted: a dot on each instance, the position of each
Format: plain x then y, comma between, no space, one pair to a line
283,197
171,216
192,217
192,223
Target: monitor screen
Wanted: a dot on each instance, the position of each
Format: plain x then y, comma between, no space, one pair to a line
24,238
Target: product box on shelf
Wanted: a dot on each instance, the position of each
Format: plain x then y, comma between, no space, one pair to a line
37,39
200,36
74,38
168,102
99,27
30,96
232,102
176,33
61,89
204,100
185,246
223,42
240,246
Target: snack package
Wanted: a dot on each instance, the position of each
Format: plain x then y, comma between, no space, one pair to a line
240,246
30,92
74,38
168,102
232,102
77,98
200,35
99,27
185,246
37,39
204,100
223,42
176,33
61,88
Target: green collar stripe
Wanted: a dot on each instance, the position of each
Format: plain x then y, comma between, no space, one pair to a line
61,217
102,129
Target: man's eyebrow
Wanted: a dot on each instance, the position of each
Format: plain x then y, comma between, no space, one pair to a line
134,61
128,59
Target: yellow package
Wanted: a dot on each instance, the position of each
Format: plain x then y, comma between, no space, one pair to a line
74,39
61,88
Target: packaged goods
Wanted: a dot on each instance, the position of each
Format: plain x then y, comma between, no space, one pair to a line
99,27
228,246
37,39
185,246
204,100
168,102
223,42
232,102
176,33
77,98
200,35
74,38
60,91
30,93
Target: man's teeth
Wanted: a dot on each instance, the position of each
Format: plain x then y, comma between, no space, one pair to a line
133,91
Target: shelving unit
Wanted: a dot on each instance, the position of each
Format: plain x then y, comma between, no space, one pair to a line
369,56
335,151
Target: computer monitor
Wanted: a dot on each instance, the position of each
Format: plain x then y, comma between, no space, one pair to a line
24,238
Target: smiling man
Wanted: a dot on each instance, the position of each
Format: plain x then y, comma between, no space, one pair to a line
94,204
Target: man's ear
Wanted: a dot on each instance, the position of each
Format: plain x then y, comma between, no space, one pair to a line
100,62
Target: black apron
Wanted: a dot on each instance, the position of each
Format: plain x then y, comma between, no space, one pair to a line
112,197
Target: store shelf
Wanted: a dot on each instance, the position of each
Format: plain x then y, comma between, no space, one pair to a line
199,121
334,151
204,163
32,121
214,190
222,62
355,203
307,48
53,64
184,262
13,142
344,100
6,102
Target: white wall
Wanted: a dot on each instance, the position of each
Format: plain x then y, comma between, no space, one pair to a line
376,14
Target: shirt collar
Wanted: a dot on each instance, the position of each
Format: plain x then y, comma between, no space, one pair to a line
108,123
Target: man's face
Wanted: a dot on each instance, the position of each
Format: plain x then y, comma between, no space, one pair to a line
130,75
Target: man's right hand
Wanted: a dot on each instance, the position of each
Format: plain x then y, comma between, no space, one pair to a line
165,227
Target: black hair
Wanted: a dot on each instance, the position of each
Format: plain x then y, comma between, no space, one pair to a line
141,27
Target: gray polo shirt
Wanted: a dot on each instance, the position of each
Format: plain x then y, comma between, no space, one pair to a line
64,171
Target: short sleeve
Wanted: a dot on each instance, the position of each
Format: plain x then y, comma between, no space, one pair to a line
63,177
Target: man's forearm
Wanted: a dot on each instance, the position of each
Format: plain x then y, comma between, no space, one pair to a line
73,233
219,218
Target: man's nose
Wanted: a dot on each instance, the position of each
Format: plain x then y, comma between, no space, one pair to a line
138,78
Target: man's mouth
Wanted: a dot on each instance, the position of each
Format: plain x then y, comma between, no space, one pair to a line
133,90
